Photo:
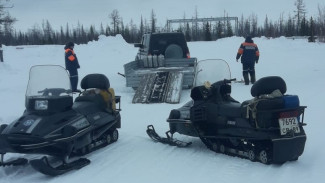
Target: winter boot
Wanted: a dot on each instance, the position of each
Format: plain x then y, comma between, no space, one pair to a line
252,74
246,79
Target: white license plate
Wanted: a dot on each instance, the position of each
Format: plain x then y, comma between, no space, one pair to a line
288,124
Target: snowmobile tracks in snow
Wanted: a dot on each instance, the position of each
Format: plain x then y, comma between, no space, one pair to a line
42,165
159,87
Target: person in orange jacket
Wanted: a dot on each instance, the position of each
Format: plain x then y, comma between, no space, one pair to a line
72,65
249,53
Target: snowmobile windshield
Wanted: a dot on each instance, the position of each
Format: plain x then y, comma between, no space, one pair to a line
211,70
48,80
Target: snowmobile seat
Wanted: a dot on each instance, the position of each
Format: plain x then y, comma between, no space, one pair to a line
86,107
90,82
231,109
97,90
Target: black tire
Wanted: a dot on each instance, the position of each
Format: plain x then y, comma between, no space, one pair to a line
114,135
174,51
251,155
264,157
108,139
215,147
222,149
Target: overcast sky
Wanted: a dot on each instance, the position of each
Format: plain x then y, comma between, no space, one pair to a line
95,12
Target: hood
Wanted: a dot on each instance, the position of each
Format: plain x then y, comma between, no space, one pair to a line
249,39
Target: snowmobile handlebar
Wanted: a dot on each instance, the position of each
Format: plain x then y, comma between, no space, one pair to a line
222,82
229,80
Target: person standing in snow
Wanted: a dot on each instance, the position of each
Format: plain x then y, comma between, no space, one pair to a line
249,53
72,65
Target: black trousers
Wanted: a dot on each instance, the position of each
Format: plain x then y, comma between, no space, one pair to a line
74,79
249,68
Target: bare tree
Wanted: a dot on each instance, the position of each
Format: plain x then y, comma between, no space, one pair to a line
153,21
281,25
195,26
229,30
207,32
253,18
107,30
219,30
6,22
115,20
67,33
101,31
300,12
35,34
141,31
247,28
321,23
133,32
241,26
48,32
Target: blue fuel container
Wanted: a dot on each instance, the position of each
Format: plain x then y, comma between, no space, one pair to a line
291,101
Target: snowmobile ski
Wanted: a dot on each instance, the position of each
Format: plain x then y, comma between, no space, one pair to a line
165,140
15,162
42,165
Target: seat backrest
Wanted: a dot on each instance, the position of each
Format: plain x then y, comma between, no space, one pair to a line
267,85
99,81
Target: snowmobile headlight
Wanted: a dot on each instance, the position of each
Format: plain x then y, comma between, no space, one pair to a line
41,104
80,124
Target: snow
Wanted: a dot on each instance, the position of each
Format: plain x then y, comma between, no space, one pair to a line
135,157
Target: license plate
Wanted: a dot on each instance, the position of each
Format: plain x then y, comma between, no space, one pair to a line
288,124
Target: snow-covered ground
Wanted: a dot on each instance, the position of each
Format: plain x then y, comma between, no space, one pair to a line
136,158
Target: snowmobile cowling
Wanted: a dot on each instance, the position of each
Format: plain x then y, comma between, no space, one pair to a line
268,128
58,127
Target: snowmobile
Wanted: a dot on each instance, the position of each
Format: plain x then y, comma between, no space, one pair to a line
55,126
267,128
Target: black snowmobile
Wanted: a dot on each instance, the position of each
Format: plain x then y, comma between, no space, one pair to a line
268,128
54,125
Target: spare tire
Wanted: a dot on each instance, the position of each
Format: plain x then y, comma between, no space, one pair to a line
267,85
174,51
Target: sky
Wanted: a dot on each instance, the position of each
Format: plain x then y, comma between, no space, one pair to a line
95,12
135,158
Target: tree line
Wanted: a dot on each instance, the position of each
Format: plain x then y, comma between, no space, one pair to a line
296,25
